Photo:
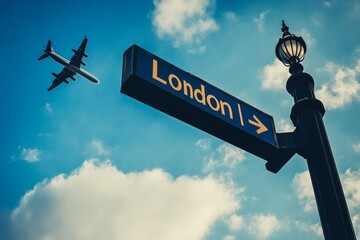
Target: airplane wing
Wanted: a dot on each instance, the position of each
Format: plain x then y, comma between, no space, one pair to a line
61,77
76,60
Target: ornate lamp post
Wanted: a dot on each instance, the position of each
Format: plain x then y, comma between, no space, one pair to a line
306,115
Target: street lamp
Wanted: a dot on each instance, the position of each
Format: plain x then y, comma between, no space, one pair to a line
314,146
290,48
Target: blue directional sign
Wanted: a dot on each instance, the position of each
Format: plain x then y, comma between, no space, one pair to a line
182,95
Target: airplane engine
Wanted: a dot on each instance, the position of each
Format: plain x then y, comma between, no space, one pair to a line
85,55
73,78
66,81
74,50
83,63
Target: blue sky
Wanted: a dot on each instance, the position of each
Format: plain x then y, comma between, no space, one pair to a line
87,162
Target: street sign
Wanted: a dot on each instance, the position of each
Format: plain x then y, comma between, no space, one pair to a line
184,96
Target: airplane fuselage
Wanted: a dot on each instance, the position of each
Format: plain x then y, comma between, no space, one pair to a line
66,63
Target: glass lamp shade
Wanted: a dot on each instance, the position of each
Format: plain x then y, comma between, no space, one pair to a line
290,49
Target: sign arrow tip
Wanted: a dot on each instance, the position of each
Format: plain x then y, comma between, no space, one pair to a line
261,127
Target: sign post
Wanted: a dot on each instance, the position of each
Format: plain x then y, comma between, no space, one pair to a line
188,98
306,115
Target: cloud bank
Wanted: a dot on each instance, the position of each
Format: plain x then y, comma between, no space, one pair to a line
343,89
264,226
30,155
258,226
303,187
226,156
260,21
274,76
351,185
356,147
97,201
186,23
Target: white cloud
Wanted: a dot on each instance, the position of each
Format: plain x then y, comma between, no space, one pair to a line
260,20
226,155
317,229
327,4
44,135
236,222
258,226
354,8
274,76
306,227
351,186
211,165
308,38
228,237
285,126
356,147
343,88
303,187
356,224
185,22
30,155
263,226
231,16
48,108
203,144
98,148
286,103
231,155
97,201
315,20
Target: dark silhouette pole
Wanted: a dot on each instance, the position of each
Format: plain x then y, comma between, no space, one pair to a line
306,115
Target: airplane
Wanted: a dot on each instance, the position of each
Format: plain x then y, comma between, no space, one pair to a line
71,67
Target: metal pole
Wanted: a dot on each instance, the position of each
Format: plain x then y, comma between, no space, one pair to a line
307,115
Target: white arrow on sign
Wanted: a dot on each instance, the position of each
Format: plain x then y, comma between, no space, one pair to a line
258,124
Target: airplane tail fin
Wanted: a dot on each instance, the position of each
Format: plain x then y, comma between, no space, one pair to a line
48,49
45,55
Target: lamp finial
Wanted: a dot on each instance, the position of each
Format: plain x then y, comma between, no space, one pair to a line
285,29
